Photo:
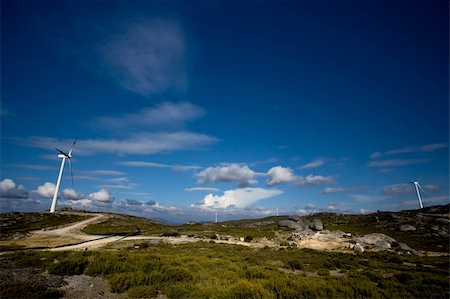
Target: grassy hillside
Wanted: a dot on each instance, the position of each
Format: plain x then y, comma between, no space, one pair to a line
18,224
209,270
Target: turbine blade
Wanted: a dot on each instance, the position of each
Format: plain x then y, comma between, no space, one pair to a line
61,152
420,187
73,145
71,173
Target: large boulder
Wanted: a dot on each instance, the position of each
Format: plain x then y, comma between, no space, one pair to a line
290,224
407,228
316,225
294,218
375,242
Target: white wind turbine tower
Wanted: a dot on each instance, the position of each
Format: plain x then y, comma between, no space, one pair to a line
417,186
62,156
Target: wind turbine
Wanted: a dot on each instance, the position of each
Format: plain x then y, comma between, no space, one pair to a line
417,186
62,156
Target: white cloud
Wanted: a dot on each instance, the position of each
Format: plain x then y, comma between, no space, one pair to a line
237,198
333,207
310,206
412,149
137,144
396,162
206,189
164,114
8,189
329,190
363,211
397,190
280,174
108,172
47,190
432,188
72,194
34,166
314,164
103,196
241,174
118,187
316,180
148,57
176,168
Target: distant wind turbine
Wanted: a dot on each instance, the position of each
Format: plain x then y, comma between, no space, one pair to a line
417,186
62,156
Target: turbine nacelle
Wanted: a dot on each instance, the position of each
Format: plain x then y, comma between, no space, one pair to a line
63,156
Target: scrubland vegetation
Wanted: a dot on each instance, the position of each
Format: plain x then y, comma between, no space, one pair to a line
209,270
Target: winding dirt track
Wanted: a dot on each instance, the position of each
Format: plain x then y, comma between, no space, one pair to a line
96,241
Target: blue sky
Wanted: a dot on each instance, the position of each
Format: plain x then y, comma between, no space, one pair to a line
188,108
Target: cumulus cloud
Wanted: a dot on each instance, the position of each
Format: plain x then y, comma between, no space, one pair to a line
206,189
333,207
316,180
72,194
237,198
241,174
397,190
147,57
47,190
314,164
8,189
280,174
165,114
396,162
412,149
103,196
137,144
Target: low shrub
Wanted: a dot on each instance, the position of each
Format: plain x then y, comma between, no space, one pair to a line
248,239
295,264
142,292
68,267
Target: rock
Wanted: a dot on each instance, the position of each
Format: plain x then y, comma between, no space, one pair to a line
372,239
407,228
435,227
442,233
409,264
260,223
316,225
443,220
381,245
290,224
359,248
408,249
294,218
241,239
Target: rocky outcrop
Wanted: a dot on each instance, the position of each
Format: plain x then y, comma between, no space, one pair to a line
375,242
316,225
406,228
290,224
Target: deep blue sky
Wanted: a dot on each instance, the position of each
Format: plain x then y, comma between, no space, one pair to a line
297,105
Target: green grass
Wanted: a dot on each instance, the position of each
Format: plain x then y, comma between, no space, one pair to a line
129,225
209,270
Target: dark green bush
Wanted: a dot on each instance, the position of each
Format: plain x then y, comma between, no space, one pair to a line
170,234
68,267
142,292
323,272
248,239
295,264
